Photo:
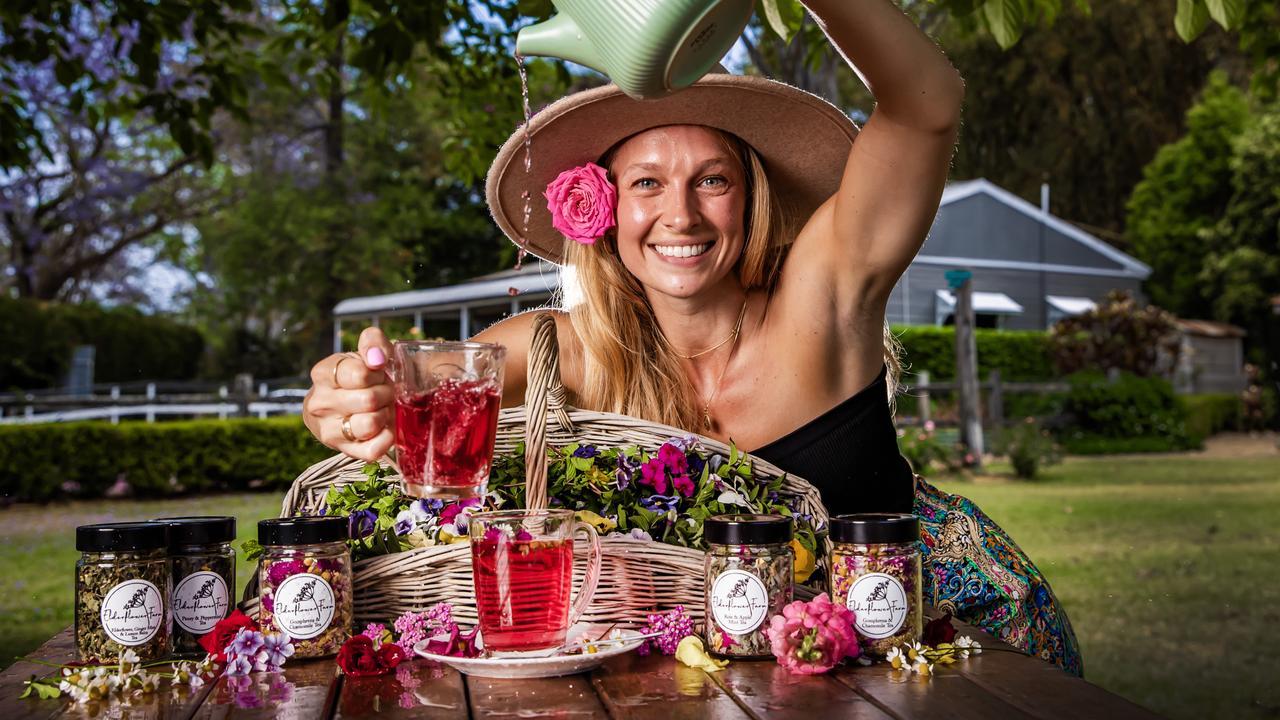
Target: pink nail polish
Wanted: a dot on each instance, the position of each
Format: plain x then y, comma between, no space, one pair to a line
375,357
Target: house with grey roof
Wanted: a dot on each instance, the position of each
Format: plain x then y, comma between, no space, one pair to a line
1030,269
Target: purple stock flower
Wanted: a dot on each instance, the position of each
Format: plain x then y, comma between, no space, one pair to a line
246,643
361,524
278,649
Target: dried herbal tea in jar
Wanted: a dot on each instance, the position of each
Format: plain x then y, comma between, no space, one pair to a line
304,580
875,572
203,565
748,580
122,591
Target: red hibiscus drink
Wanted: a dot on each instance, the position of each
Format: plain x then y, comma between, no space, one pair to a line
522,563
447,397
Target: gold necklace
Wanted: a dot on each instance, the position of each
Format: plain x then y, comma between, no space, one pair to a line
706,406
733,335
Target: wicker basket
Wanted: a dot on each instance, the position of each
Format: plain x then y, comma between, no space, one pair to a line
637,576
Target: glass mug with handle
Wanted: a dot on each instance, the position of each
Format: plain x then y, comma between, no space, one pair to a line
447,398
522,562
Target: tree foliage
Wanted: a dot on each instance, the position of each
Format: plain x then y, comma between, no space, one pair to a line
1119,334
1183,191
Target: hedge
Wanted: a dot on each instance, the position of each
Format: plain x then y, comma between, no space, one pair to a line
51,461
1129,414
1210,414
1017,354
39,338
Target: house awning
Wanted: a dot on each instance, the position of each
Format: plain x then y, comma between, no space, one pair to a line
1070,305
991,303
535,278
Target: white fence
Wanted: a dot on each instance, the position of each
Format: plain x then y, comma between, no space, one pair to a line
156,400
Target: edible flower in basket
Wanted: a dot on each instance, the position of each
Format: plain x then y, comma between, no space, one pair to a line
663,496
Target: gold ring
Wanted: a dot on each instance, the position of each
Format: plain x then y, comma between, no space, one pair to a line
346,429
335,369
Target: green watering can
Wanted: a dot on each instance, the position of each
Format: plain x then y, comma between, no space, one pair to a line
649,48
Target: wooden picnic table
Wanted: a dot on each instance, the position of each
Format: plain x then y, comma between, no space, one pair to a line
995,684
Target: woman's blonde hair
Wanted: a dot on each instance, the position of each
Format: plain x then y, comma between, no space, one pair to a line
629,367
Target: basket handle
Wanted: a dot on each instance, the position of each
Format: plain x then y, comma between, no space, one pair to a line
544,396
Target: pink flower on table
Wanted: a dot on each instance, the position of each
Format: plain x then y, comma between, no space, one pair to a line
654,474
809,638
582,202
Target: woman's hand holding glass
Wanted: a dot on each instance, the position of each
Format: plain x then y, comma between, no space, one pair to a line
351,404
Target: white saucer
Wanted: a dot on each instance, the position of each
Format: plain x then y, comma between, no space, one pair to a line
535,667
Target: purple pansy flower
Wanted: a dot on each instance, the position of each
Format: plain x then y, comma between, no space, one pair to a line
586,451
362,523
660,503
405,522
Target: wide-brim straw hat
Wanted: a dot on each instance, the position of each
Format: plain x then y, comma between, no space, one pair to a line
803,141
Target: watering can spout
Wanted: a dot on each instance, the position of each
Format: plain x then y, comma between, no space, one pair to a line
558,37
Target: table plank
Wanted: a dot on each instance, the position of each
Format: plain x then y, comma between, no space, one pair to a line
306,690
60,648
571,695
905,695
418,689
658,687
768,690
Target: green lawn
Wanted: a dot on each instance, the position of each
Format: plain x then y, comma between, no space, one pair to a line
1166,565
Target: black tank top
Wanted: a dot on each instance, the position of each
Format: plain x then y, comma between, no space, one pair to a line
850,453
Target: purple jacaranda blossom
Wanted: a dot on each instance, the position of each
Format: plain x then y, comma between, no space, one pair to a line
660,503
362,523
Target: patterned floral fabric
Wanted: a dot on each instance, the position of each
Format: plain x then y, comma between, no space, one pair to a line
973,569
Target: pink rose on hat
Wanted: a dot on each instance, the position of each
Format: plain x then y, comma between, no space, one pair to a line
582,201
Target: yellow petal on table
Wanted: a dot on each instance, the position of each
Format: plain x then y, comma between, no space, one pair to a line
691,652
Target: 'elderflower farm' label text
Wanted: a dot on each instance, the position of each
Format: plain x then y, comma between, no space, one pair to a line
303,606
200,601
132,612
879,605
739,601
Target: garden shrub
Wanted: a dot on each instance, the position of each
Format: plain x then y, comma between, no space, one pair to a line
1028,445
130,346
49,461
1213,413
1143,411
1017,354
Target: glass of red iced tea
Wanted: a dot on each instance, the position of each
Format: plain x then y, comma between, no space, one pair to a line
522,561
447,400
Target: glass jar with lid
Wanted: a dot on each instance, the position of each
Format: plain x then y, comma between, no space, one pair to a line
122,591
875,572
748,572
304,581
203,566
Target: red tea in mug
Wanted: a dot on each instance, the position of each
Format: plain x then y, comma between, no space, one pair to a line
522,592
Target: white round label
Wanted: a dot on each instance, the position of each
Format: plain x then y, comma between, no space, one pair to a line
739,601
879,605
303,606
132,612
200,601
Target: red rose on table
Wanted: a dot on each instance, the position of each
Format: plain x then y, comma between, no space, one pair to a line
390,655
938,631
215,641
359,658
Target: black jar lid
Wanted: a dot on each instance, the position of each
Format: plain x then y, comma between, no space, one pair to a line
875,528
114,537
302,530
747,529
199,530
